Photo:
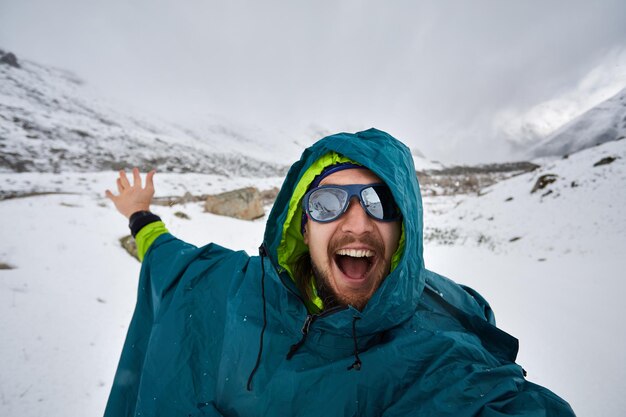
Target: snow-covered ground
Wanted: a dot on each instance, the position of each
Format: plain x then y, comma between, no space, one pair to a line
559,288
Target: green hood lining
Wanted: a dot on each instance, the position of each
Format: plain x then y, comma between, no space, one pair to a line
292,244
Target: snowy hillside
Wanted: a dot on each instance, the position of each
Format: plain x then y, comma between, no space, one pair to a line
604,123
52,122
583,195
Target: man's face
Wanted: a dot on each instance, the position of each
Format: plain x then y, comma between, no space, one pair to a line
351,255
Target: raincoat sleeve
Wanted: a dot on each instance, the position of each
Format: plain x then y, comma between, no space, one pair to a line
147,235
486,391
462,378
529,400
469,363
168,267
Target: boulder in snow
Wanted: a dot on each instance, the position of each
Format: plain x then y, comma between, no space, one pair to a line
245,203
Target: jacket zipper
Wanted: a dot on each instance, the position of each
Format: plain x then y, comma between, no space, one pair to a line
308,321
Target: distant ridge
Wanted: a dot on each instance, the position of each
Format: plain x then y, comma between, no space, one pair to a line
605,122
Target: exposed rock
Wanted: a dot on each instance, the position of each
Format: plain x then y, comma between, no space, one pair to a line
4,265
543,182
182,215
9,59
605,161
244,203
128,243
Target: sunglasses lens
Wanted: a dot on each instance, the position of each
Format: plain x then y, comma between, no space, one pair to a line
327,204
379,202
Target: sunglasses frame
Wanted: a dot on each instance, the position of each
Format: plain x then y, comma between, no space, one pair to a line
353,190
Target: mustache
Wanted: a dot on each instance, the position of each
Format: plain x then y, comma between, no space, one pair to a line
337,242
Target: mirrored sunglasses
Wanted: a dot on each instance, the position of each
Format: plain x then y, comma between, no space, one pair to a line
328,202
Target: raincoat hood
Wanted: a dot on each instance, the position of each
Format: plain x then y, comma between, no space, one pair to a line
396,299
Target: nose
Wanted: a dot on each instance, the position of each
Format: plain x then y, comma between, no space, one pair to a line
355,220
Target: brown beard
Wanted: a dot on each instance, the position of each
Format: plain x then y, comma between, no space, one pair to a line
306,269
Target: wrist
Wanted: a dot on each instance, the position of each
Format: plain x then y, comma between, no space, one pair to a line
139,219
128,212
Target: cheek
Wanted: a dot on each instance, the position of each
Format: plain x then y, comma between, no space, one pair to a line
391,236
316,237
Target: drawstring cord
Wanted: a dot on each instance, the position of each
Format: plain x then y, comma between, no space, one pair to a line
310,318
305,331
357,361
262,253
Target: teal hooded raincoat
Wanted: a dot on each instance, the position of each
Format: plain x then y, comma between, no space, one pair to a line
220,333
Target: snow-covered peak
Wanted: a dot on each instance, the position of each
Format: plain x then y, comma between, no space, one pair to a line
604,123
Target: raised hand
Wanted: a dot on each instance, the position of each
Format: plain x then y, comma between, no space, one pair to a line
135,197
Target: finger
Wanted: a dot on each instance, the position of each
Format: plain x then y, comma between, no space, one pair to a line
109,195
124,179
136,177
149,180
120,187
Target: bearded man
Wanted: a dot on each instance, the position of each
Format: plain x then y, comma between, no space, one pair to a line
337,316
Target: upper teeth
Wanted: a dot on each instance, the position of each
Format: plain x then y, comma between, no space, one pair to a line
355,253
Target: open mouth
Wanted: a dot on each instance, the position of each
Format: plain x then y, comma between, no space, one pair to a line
355,263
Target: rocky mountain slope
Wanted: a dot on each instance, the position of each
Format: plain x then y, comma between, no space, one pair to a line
51,122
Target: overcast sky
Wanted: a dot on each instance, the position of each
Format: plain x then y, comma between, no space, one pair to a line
459,80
